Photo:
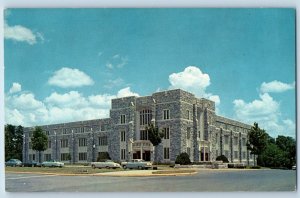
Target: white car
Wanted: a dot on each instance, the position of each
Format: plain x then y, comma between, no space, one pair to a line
106,164
52,163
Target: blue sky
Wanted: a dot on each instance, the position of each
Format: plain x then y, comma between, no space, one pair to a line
67,64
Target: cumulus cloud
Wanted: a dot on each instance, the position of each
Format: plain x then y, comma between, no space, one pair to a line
192,79
276,87
117,61
266,112
16,87
68,77
26,110
126,92
21,34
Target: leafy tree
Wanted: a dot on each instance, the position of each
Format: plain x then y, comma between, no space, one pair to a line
183,159
39,141
257,140
288,146
154,136
222,158
13,142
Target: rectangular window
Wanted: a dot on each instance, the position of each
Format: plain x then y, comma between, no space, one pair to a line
102,141
49,144
244,141
65,131
188,133
166,114
226,139
244,155
143,135
81,142
188,114
217,138
32,157
236,141
64,156
81,129
47,132
103,127
123,154
167,133
123,136
122,119
145,117
226,153
82,156
64,143
236,154
30,145
166,153
188,150
47,157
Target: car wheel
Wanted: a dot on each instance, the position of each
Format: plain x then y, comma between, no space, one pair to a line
125,167
107,167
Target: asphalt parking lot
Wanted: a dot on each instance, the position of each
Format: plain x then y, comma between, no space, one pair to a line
203,181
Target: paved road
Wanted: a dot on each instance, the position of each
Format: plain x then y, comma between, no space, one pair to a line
203,181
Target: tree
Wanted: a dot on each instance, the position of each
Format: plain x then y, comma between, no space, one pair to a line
288,146
257,140
13,142
154,136
103,156
39,141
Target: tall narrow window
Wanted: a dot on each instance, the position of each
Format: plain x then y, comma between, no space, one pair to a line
166,114
102,141
226,139
49,144
123,154
123,138
188,114
166,153
64,143
236,141
143,135
122,119
188,133
166,133
188,150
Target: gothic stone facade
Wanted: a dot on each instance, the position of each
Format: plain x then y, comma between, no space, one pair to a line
190,125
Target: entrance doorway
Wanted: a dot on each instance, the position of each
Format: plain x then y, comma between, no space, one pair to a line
146,155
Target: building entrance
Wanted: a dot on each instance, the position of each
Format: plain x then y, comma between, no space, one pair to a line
146,155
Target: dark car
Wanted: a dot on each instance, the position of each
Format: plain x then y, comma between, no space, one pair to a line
32,164
13,162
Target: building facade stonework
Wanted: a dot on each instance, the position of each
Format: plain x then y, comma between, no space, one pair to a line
189,124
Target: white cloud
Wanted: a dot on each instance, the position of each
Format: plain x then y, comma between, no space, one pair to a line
26,110
192,79
266,112
21,34
117,61
114,83
276,87
68,77
126,92
16,87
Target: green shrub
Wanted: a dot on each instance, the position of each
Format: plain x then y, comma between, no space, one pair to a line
183,159
103,156
222,158
255,167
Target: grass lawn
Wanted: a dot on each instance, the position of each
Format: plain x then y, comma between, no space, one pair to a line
64,170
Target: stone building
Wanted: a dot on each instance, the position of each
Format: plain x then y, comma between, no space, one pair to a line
190,125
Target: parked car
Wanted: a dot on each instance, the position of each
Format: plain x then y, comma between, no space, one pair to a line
136,164
32,164
106,164
13,162
52,163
